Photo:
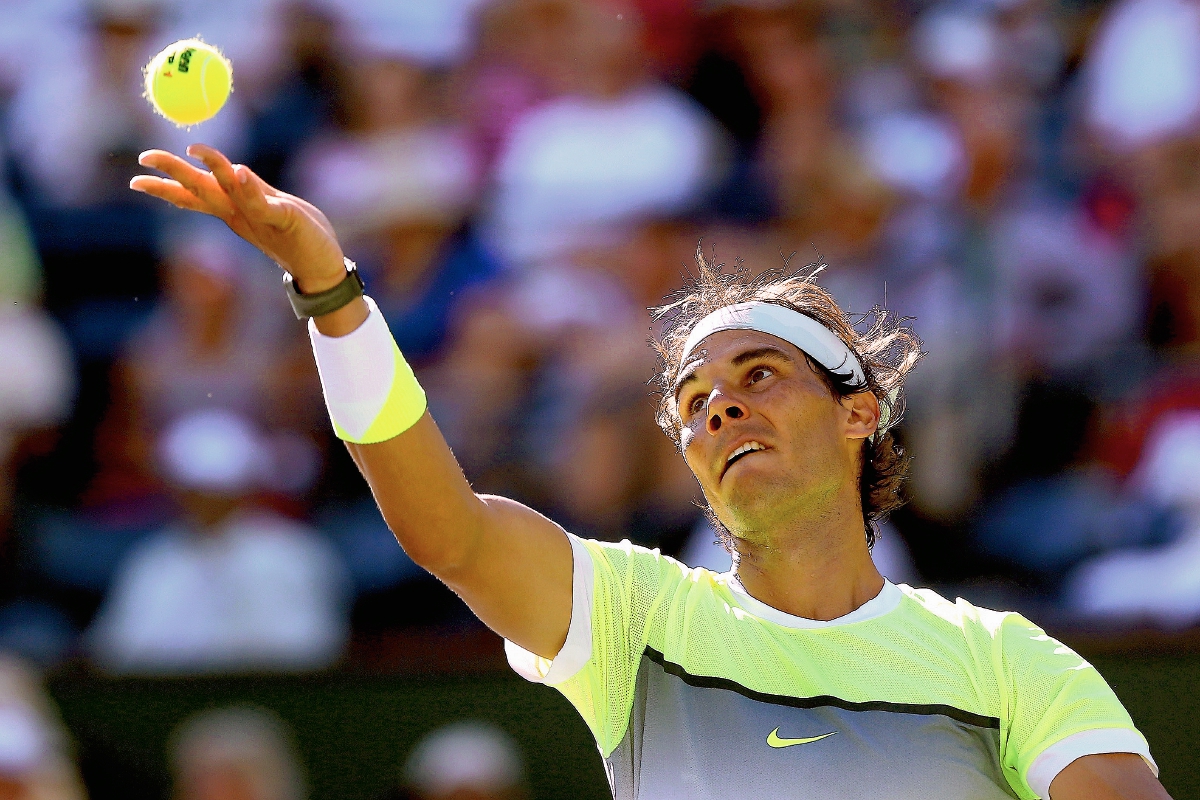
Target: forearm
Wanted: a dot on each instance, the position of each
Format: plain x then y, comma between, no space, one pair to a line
511,565
423,495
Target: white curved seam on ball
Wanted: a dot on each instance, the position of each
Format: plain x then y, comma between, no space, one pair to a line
204,85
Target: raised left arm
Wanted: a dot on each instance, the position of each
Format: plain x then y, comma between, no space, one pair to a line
1107,776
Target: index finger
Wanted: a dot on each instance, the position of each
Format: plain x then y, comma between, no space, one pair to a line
218,164
195,180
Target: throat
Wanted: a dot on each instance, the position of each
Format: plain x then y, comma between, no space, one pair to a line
817,580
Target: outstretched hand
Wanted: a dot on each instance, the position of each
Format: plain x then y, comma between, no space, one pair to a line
290,231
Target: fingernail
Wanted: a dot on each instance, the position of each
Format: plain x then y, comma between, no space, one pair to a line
191,150
131,186
142,159
243,174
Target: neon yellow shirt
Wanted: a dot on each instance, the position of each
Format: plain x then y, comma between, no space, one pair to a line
694,689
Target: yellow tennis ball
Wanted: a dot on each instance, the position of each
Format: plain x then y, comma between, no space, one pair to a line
188,81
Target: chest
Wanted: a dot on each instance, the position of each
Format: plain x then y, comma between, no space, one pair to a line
695,737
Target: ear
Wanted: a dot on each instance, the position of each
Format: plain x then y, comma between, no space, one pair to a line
862,414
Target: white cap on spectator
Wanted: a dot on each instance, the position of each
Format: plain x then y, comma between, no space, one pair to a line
957,44
1144,72
915,152
24,741
465,755
213,450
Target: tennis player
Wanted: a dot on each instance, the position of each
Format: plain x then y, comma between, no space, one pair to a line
802,673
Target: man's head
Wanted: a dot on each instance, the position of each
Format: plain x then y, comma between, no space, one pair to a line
769,430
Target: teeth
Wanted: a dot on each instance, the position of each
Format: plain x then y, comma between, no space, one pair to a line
747,447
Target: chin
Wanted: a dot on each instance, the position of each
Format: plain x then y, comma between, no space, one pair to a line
757,497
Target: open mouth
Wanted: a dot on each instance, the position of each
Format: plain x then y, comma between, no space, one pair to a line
742,452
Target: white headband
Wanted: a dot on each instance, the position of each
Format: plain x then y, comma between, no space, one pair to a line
822,344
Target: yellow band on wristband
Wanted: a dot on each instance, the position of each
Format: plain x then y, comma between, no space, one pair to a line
405,405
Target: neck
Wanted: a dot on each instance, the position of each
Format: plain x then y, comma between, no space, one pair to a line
816,566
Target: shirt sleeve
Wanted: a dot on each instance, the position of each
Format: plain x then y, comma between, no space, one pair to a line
1057,707
615,589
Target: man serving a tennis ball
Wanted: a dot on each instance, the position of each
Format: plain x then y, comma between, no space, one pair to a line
802,672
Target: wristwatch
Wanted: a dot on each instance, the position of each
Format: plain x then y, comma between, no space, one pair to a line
328,301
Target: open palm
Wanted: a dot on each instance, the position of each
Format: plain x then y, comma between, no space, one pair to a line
289,230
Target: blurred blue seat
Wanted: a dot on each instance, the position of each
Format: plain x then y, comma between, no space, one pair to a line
81,552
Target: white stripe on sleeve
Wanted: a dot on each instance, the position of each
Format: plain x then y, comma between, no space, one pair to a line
1055,758
577,649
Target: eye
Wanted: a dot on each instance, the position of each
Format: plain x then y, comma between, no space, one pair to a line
759,373
695,405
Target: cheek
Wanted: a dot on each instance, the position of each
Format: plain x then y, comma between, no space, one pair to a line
691,454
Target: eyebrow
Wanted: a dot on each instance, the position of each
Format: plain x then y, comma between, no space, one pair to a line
766,351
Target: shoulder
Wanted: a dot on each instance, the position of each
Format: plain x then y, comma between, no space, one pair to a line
642,566
958,613
1011,643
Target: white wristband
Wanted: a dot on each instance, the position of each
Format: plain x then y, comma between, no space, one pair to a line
370,390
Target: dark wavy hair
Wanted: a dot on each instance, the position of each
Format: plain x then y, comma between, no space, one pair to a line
885,345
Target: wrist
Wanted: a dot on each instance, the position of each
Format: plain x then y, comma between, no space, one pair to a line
314,281
345,320
317,304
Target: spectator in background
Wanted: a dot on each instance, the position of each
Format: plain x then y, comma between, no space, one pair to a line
35,752
611,148
1160,585
1066,293
553,363
235,754
300,93
398,185
37,380
232,586
1142,114
219,339
466,761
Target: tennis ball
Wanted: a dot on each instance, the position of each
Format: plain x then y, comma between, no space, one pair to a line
188,81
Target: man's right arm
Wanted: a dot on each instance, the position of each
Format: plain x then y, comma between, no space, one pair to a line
511,565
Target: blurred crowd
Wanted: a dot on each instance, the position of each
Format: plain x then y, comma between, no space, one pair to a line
241,753
519,180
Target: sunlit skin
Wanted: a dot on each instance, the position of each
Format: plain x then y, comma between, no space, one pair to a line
794,508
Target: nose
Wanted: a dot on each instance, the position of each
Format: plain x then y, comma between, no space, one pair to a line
722,407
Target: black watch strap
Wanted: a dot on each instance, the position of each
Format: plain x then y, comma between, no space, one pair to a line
328,301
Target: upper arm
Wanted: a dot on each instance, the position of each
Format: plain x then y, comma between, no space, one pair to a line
511,565
518,577
1107,776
